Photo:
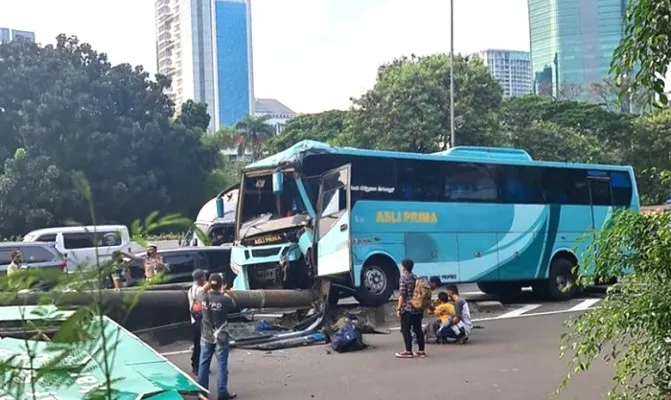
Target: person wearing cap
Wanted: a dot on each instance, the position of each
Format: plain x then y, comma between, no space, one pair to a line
195,296
214,337
153,262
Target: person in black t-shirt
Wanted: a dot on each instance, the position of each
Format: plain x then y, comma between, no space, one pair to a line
214,336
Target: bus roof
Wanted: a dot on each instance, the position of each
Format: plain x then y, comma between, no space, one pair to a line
497,155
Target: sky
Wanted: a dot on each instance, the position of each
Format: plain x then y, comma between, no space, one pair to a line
312,55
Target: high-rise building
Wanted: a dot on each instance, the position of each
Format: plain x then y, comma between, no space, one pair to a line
205,48
572,42
7,35
512,69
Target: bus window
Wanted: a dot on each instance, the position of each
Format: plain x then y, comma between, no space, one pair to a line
600,191
470,182
520,184
620,183
565,186
419,181
373,178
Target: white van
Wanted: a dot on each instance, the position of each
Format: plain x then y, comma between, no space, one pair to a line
79,243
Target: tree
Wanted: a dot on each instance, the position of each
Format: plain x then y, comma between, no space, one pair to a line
195,115
551,142
408,108
630,327
328,126
650,153
67,106
645,50
254,131
605,93
33,194
570,91
612,130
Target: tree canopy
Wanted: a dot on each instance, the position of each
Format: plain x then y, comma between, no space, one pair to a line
645,51
66,109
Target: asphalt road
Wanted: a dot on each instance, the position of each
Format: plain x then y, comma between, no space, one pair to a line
512,357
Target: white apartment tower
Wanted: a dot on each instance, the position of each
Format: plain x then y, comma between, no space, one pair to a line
512,69
204,47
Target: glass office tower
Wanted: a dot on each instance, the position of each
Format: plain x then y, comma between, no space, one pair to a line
572,41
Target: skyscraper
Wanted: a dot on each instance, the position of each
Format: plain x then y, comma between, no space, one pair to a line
572,42
205,47
7,35
512,69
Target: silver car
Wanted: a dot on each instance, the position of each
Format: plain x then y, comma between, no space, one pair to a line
36,255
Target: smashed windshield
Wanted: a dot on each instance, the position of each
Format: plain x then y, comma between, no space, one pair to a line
258,198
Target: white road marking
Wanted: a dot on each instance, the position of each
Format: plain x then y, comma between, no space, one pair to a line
585,304
519,311
175,353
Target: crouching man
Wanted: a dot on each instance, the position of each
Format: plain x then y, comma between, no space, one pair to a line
461,320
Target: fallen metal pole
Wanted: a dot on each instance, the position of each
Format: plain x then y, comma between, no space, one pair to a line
145,309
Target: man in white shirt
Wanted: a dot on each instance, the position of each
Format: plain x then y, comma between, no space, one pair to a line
195,296
462,315
15,265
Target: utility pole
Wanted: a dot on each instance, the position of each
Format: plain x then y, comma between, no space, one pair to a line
452,143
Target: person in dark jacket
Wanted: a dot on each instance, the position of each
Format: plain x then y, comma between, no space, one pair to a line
214,338
411,318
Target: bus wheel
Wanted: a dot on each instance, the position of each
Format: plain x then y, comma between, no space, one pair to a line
377,284
561,284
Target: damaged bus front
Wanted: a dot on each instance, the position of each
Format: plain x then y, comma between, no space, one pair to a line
274,223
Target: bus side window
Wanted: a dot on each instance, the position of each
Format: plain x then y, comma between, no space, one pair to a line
620,183
470,182
565,186
419,180
520,184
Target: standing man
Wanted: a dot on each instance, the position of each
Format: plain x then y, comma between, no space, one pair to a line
214,336
411,318
153,263
15,265
195,295
462,313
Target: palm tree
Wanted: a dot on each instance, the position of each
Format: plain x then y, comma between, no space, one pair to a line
253,133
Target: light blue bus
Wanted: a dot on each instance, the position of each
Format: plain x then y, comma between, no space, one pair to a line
488,215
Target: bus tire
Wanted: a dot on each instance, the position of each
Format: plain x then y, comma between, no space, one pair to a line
561,274
378,279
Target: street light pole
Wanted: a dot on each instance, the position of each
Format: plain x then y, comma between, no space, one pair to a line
452,73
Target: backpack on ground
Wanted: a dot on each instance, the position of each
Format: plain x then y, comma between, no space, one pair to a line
421,296
348,338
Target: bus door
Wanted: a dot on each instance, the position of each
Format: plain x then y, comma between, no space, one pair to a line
332,224
601,197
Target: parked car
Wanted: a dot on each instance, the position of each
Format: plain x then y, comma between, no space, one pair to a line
80,244
183,261
40,256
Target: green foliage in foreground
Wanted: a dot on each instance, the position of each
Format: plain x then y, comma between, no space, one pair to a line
632,323
83,341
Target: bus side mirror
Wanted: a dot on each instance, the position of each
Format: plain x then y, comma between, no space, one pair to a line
220,207
278,182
